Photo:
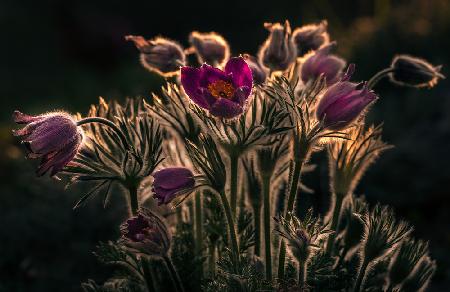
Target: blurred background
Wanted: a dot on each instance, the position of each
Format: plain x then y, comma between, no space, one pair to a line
65,54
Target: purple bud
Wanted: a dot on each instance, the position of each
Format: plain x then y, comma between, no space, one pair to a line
415,72
146,233
160,55
343,103
278,52
322,62
211,48
171,182
54,136
310,37
258,72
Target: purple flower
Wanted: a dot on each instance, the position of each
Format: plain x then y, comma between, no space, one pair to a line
211,48
146,233
415,72
259,74
343,103
278,52
160,55
222,93
323,63
310,37
171,182
54,136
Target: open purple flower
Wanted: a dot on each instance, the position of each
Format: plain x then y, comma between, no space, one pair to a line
343,103
222,93
323,63
146,233
54,136
171,182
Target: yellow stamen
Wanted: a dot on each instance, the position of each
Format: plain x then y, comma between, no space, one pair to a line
221,89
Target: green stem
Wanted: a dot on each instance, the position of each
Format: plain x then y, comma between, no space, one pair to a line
148,275
231,227
267,229
302,273
108,123
212,259
338,199
289,208
199,226
133,199
234,161
360,277
257,223
173,274
377,77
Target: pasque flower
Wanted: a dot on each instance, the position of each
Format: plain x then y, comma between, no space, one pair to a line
415,72
278,52
54,137
211,48
258,72
159,55
310,37
171,182
323,63
343,103
222,93
146,233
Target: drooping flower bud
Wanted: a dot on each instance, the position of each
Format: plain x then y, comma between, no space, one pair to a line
159,55
415,72
323,63
310,37
211,48
54,136
343,103
278,52
258,72
146,233
172,182
222,93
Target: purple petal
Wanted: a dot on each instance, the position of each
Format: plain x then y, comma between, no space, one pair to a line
209,74
241,94
21,118
225,108
173,178
190,78
241,73
334,93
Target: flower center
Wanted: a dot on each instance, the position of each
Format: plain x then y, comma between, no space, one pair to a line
221,89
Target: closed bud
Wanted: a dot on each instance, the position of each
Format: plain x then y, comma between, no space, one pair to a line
415,72
310,37
278,52
146,233
258,72
159,55
172,182
211,48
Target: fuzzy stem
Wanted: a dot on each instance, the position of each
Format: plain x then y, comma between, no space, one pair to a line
257,223
231,227
338,199
234,161
360,277
302,274
377,77
199,226
267,229
148,275
212,259
173,274
108,123
298,164
133,199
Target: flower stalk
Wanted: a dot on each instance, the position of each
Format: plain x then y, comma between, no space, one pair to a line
234,162
335,220
173,274
267,229
199,225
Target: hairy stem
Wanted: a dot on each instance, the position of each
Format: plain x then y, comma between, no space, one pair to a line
302,274
148,275
338,199
133,199
199,226
173,274
234,161
360,277
108,123
231,227
267,229
377,77
212,259
257,223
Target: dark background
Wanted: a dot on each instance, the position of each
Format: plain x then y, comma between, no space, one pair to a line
64,54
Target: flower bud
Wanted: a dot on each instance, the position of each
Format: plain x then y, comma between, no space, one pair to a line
159,55
323,63
258,72
54,136
171,182
343,103
310,37
146,233
415,72
278,52
211,48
